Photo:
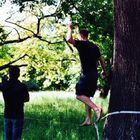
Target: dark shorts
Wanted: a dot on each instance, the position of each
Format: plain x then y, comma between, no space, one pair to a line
87,85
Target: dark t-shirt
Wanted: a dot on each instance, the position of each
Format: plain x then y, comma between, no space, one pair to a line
14,93
89,54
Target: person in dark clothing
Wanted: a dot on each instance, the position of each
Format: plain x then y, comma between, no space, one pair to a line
15,94
89,55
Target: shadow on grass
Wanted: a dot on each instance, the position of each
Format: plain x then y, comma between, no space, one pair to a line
56,119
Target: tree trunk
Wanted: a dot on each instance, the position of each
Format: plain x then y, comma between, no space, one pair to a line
125,91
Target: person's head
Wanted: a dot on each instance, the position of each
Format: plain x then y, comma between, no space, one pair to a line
14,72
83,34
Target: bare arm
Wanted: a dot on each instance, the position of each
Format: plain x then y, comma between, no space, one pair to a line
69,34
101,62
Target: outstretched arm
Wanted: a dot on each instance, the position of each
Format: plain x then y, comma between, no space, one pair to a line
69,34
101,62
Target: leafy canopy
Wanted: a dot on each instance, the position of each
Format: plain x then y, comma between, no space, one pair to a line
38,27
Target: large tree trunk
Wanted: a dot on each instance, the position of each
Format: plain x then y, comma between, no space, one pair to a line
125,91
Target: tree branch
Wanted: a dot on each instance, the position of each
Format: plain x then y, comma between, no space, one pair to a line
46,16
11,31
36,35
19,26
68,44
9,64
15,40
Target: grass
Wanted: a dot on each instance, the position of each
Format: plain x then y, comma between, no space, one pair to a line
56,116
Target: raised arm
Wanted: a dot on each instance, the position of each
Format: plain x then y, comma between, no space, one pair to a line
101,62
69,34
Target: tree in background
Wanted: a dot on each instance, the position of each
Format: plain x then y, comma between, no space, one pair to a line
125,91
40,34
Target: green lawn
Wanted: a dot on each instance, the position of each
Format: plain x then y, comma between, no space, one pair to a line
56,116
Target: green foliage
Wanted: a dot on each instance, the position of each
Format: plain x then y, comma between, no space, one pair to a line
2,2
93,14
3,35
53,66
56,115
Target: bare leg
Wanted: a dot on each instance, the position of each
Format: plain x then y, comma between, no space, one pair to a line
88,113
88,116
89,103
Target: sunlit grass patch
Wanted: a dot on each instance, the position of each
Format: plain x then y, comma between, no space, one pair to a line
56,116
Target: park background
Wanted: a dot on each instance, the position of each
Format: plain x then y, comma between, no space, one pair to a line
32,33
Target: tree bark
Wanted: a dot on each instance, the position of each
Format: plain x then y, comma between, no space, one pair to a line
125,90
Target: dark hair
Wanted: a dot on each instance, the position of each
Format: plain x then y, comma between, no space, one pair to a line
84,32
14,72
